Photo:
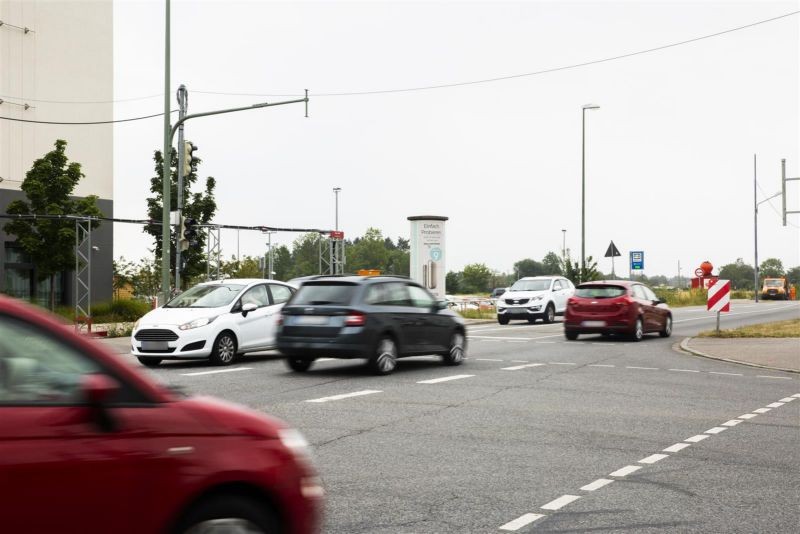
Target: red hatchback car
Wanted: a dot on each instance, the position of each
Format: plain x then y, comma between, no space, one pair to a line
616,307
89,444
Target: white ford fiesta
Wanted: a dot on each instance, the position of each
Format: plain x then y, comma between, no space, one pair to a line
214,320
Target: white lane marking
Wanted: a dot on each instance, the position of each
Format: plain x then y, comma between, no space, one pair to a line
346,395
627,470
560,502
716,430
684,370
521,521
762,410
600,365
519,361
775,405
545,342
775,377
697,438
444,379
488,360
518,367
561,363
796,395
787,399
653,458
516,341
326,359
519,338
643,368
747,416
728,374
597,484
732,422
218,371
677,447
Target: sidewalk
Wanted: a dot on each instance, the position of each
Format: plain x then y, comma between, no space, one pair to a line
779,354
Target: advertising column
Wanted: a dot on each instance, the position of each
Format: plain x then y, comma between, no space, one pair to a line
428,252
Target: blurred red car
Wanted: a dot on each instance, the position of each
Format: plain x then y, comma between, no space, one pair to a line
89,444
616,307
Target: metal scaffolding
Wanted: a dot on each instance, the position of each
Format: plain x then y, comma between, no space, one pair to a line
213,253
331,256
83,268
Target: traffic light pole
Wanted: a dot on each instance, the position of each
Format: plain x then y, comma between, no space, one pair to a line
166,241
183,102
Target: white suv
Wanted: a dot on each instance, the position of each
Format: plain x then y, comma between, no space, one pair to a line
215,320
535,297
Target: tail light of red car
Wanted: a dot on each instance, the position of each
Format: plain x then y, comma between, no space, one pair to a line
355,319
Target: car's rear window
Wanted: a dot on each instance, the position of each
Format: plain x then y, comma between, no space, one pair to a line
600,292
322,293
774,283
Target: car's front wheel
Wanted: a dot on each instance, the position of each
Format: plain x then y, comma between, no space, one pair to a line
638,330
667,331
384,360
228,514
458,349
224,349
150,362
300,365
549,313
502,320
570,335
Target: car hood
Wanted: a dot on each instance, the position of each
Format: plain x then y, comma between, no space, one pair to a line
178,316
521,294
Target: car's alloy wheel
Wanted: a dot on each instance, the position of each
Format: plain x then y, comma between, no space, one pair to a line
458,349
667,327
231,525
637,330
224,350
550,314
300,365
228,514
385,359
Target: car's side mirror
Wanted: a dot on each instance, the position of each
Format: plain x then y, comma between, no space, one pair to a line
440,305
97,389
247,308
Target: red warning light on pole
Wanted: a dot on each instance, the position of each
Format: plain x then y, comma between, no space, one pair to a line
336,234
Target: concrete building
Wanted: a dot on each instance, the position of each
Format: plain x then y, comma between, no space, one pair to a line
56,65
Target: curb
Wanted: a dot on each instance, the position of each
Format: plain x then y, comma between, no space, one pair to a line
684,346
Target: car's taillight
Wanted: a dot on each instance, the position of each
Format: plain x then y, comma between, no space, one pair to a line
355,319
624,302
280,320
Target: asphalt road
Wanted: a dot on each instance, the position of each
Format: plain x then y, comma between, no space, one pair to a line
535,433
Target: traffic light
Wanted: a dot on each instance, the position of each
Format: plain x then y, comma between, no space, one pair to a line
190,232
190,161
183,244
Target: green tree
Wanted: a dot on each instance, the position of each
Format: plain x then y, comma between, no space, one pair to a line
529,267
476,278
146,278
123,275
305,255
739,273
771,268
552,263
50,243
282,262
247,267
573,271
369,252
453,282
199,206
793,275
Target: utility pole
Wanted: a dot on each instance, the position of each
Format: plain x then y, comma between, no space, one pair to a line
755,228
166,227
784,179
336,192
183,104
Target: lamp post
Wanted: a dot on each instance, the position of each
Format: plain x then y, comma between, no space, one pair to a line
583,186
564,243
755,238
336,192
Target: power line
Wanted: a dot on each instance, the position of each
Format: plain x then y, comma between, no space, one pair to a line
89,122
514,76
118,100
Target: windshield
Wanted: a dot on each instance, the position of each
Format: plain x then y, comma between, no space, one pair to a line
206,296
774,283
318,294
599,292
531,285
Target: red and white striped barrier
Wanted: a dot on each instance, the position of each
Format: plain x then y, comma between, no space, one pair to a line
719,296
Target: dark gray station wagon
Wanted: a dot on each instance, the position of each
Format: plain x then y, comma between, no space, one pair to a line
379,318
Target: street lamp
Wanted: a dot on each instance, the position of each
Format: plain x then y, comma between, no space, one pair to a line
583,186
564,243
336,192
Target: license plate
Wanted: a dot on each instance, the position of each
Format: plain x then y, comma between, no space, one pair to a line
593,324
154,345
311,320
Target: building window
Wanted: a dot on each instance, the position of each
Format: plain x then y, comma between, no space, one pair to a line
21,281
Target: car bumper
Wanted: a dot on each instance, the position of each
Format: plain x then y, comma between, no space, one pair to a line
521,312
190,344
356,344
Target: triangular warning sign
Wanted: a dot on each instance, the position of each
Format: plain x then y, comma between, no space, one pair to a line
612,251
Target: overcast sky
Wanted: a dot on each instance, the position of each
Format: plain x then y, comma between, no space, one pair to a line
669,157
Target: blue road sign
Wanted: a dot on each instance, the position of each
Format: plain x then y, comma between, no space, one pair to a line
637,260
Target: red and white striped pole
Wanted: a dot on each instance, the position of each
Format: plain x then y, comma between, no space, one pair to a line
719,297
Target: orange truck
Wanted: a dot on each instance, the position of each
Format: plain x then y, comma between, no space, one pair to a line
775,288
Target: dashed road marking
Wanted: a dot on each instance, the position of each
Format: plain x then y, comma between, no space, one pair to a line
716,430
643,368
444,379
597,484
488,360
601,365
747,416
775,405
732,422
653,458
560,502
796,395
625,471
762,410
685,370
521,521
677,447
787,399
346,395
518,367
774,377
728,374
560,363
217,371
697,438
